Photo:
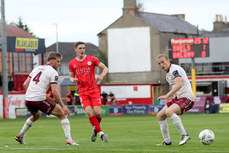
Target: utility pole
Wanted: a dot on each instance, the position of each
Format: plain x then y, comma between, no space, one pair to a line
4,59
57,49
57,45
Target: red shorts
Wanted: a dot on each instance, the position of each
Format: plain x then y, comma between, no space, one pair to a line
92,99
184,103
45,106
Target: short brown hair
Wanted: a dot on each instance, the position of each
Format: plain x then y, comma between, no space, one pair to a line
78,43
162,55
53,55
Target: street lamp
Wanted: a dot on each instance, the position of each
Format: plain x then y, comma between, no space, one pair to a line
57,45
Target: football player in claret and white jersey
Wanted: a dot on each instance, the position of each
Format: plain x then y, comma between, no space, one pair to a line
36,85
82,72
183,99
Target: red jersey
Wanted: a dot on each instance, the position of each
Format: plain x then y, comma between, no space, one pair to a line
84,71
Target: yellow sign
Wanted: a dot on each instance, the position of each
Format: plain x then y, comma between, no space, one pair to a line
26,43
194,81
71,88
224,108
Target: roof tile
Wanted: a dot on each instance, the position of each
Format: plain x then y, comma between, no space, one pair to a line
167,23
14,31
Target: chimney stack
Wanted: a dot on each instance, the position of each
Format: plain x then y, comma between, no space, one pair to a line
220,18
219,24
182,16
216,18
129,6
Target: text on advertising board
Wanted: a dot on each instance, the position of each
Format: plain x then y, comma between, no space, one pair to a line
26,43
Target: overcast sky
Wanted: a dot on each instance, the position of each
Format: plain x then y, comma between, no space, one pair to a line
84,19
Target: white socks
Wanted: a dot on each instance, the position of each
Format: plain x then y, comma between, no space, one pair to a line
178,124
64,123
165,131
27,125
101,133
66,127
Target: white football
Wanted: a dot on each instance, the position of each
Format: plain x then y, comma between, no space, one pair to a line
206,137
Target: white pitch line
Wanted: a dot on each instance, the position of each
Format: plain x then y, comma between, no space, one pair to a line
118,150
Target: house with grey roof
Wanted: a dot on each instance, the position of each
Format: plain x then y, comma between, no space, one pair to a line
133,41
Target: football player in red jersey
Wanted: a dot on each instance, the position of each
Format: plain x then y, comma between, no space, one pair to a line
82,72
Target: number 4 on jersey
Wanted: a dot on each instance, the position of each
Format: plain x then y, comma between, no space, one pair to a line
37,77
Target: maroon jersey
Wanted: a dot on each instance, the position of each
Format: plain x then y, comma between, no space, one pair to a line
84,71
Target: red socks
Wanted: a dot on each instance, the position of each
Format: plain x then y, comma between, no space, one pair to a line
99,119
95,123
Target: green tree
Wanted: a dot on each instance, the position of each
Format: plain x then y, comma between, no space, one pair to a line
23,26
140,7
102,57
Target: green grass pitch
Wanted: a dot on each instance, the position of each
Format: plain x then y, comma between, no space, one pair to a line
128,134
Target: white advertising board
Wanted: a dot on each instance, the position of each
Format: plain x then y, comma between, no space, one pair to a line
129,50
128,91
14,101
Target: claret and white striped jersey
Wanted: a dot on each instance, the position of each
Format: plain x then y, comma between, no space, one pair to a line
41,78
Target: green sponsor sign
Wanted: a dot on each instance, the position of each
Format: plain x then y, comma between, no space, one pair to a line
104,110
80,110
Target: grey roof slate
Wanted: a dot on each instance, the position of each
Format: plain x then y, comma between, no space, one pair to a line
167,23
67,50
213,35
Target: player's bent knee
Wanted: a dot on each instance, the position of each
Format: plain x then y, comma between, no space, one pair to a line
158,117
97,114
61,115
169,113
36,116
89,114
161,116
57,111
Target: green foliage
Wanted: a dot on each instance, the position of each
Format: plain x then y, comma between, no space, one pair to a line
127,133
140,7
102,57
23,26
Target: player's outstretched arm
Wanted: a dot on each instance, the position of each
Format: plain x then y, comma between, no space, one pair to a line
58,98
